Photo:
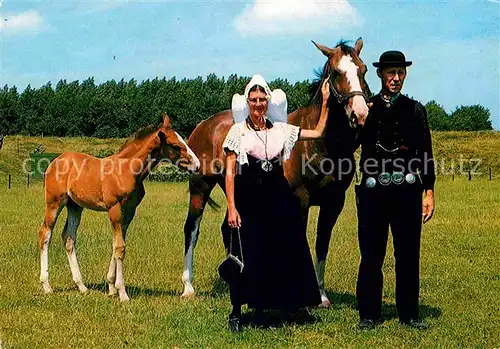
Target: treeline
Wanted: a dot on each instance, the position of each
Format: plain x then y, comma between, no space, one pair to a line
116,109
464,118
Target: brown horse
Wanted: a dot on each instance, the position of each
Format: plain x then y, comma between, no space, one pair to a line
113,184
319,171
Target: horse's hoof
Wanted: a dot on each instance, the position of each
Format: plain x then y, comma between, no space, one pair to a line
188,292
325,304
47,289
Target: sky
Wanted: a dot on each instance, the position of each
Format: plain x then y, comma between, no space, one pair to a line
454,45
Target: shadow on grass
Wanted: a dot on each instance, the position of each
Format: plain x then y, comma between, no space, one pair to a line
219,288
276,319
134,291
389,311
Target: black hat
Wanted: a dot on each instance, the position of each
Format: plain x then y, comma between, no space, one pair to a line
393,59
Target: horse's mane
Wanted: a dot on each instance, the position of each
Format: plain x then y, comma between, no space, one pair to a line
141,134
315,87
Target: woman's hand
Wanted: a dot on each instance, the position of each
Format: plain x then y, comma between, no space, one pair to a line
321,125
325,90
233,218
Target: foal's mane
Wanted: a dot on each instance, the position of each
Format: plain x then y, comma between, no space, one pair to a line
320,73
141,134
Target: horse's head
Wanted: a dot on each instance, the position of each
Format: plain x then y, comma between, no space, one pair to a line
347,79
175,149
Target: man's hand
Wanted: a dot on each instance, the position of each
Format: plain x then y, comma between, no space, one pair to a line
428,205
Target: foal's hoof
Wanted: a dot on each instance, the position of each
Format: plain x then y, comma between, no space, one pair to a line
188,293
112,290
124,298
83,289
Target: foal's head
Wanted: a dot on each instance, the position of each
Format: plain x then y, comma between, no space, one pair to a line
347,79
173,148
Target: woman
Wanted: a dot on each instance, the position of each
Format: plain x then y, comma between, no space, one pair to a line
278,271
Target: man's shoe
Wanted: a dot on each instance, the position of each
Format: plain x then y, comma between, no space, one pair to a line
368,324
234,323
415,323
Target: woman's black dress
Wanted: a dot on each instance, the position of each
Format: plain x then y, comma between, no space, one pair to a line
278,272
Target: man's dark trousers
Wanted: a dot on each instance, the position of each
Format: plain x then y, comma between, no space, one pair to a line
400,207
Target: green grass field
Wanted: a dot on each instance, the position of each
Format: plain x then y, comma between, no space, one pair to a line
460,280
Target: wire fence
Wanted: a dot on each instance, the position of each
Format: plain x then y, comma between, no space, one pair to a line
10,180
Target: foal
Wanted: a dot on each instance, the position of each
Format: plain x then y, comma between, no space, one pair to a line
113,184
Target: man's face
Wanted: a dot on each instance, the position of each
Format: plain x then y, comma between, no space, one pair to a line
392,78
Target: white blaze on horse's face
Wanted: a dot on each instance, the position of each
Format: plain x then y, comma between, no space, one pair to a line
194,164
358,105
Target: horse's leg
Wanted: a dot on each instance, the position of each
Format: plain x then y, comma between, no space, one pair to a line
69,241
200,188
224,228
115,216
328,214
53,208
128,213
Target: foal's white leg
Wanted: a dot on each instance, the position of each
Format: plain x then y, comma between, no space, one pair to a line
120,282
44,260
115,215
69,240
73,265
111,277
187,274
320,275
45,234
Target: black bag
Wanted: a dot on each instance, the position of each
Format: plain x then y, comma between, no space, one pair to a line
231,269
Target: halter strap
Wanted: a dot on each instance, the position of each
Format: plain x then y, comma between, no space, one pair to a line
342,99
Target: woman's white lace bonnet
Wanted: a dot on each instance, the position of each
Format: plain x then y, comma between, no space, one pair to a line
276,108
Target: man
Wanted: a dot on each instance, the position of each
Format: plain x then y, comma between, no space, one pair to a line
397,166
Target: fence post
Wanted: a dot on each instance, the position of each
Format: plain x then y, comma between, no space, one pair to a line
490,173
470,176
28,181
453,176
9,179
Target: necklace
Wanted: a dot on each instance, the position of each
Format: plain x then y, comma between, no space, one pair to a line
389,101
266,165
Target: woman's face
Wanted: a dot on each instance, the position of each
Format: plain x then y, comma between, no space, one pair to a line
257,102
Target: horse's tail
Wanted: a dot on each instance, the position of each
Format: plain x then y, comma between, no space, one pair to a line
213,204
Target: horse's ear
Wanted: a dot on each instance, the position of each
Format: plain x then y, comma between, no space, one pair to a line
358,46
162,136
326,51
166,120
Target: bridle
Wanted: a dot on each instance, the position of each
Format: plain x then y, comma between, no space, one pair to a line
343,99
